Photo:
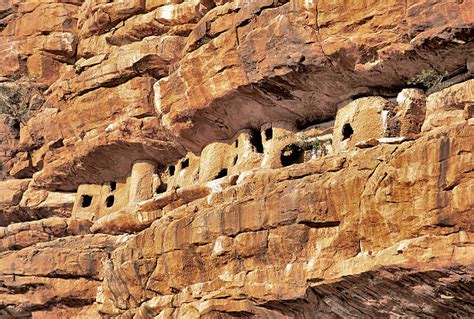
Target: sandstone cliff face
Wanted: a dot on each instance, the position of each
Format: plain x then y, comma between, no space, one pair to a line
219,159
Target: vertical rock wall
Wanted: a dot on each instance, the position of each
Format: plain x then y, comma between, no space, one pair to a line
219,159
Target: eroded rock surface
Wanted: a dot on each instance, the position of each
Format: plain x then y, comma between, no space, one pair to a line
219,159
278,235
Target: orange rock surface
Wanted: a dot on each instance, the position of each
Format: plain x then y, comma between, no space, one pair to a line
224,158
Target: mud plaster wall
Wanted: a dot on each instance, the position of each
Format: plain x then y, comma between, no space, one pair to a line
249,149
366,119
100,198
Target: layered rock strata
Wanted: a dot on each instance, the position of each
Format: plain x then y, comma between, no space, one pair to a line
220,159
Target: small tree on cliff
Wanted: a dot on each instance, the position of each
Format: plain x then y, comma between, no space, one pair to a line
18,98
428,78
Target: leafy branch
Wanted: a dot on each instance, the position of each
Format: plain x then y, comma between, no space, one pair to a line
16,100
305,144
428,78
17,111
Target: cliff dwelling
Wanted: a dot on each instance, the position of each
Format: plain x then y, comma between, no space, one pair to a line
223,159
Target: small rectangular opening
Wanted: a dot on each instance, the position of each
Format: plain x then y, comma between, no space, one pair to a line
86,201
185,163
171,169
268,133
347,131
222,173
113,186
110,201
256,141
162,188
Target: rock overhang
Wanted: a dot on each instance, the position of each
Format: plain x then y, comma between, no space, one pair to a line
235,83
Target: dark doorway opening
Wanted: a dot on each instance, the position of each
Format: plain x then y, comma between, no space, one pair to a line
268,134
222,173
86,201
290,155
256,141
109,201
162,188
113,186
185,163
171,170
347,131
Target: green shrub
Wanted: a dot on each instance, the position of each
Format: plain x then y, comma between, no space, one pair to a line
15,102
304,144
428,78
